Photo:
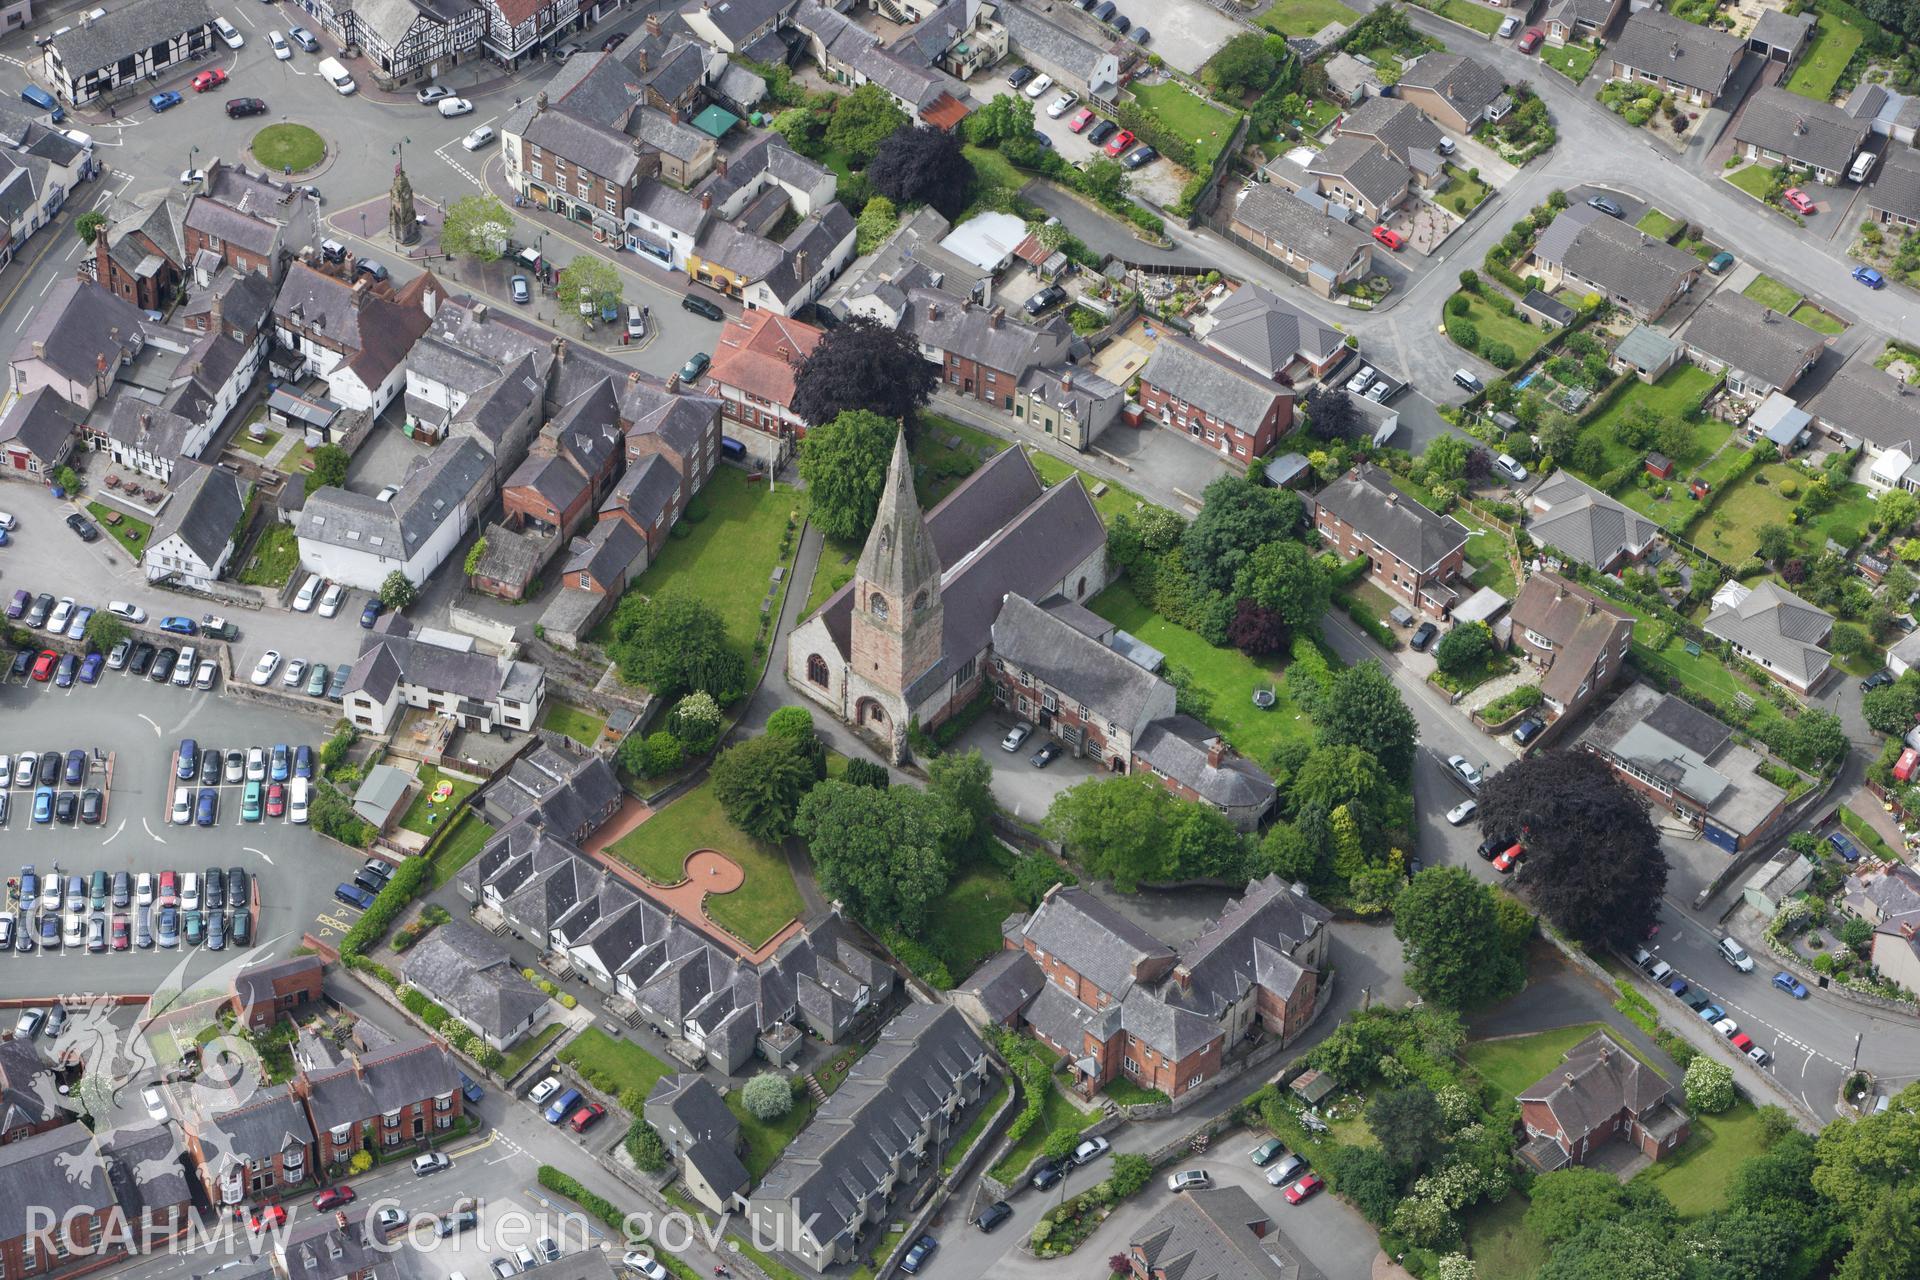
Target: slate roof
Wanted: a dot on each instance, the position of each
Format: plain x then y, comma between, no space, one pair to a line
373,331
1660,44
1364,165
1086,671
1399,126
1776,624
1594,1081
42,421
1871,404
814,240
1093,939
1621,259
472,974
1223,389
1218,1234
205,511
972,333
1004,983
1584,524
610,548
254,1128
87,47
596,148
1070,388
1465,84
324,1247
1254,943
430,493
78,323
481,677
28,1090
412,1071
1752,337
1177,747
1897,189
756,354
1286,219
1572,12
1366,500
147,1168
52,1175
738,19
1040,36
886,1104
644,490
553,477
159,216
1580,624
1812,132
1779,29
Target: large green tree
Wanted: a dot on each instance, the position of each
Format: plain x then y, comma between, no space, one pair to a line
1449,925
885,854
1285,577
674,643
589,281
861,122
1407,1123
923,165
1115,827
964,781
1365,710
1464,649
844,463
477,227
760,783
875,223
1236,518
1248,63
1008,116
327,466
1595,866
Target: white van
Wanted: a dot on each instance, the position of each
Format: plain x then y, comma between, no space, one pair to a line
1862,166
337,76
229,34
1736,955
297,800
308,593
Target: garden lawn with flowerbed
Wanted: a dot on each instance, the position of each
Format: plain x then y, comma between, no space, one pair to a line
1826,58
1228,676
1678,393
963,924
515,1060
1732,531
1497,326
1754,179
658,850
1817,319
1465,12
1058,1114
1459,185
1205,126
1696,1176
602,1060
423,806
1572,61
1659,225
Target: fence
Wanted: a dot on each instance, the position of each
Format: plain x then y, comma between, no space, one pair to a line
480,627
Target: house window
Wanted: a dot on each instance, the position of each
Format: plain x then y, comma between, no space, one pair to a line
1195,1078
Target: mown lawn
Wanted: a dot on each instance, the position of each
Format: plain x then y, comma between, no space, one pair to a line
133,534
766,1139
1828,55
1201,123
258,448
658,849
1675,395
1811,315
415,818
1228,675
1698,672
1696,1177
1497,326
1755,179
1659,225
1304,17
622,1061
1467,13
1511,1064
1058,1114
1732,531
1572,61
1460,185
458,849
578,723
288,146
1499,1242
1769,292
727,558
532,1047
963,925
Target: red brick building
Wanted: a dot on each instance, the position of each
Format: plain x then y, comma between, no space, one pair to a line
1575,639
982,353
752,373
1213,400
1413,555
1116,1001
248,1142
61,1217
264,993
548,494
1599,1092
381,1099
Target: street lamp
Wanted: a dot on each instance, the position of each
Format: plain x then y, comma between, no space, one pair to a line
191,153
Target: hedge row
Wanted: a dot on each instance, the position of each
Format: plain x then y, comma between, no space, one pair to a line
1365,618
387,906
561,1184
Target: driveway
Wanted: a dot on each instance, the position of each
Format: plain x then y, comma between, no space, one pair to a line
1022,790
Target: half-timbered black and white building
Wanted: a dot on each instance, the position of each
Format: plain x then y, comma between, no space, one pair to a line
100,59
407,40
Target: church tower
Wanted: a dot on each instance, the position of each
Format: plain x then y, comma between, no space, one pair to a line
897,633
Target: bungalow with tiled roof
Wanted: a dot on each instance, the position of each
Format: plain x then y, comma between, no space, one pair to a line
1585,526
1759,350
1457,91
1694,62
1775,629
1300,236
1594,253
1777,127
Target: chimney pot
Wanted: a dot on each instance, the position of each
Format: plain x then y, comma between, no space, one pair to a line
706,200
720,166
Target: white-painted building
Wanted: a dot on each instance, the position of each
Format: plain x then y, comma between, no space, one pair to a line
441,672
358,540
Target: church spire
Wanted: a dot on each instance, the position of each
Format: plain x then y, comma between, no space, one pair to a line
899,558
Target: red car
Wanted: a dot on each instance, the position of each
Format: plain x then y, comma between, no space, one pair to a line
1741,1041
1508,860
584,1118
276,799
209,78
1389,237
169,895
334,1197
1305,1187
1081,119
121,934
1119,142
271,1216
44,664
1531,41
1797,200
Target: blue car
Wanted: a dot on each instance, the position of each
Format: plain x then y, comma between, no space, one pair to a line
371,614
189,764
3,537
207,807
1712,1013
1790,984
29,884
1844,847
161,101
180,626
280,767
90,669
1678,986
1869,277
303,761
917,1256
36,96
43,805
68,669
562,1107
353,895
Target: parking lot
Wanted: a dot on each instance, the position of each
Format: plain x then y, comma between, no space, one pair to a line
1160,181
130,734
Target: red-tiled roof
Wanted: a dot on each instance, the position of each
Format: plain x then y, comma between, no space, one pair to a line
756,355
945,111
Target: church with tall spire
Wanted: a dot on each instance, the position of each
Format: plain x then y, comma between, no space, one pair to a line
907,640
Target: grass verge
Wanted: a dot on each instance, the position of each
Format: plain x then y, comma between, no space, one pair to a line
132,533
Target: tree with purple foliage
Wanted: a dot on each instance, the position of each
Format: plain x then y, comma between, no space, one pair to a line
862,364
923,165
1255,630
1331,415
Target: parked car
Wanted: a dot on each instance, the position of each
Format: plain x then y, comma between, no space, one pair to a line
1607,206
1285,1170
1015,736
1423,636
1189,1180
281,50
1140,157
1531,41
1267,1152
1797,200
1081,119
1119,142
1529,729
1877,680
1869,277
211,78
163,101
1304,1188
1463,812
1038,86
1790,984
991,1217
1389,237
702,307
1090,1150
917,1256
1062,104
1020,76
1846,848
1050,296
1046,755
1464,771
1509,466
1720,263
1507,27
239,108
1510,859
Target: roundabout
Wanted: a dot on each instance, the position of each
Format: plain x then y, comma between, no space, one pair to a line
288,148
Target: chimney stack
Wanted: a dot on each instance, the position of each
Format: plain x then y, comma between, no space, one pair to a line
995,317
559,349
653,25
673,383
633,377
800,266
1216,751
720,166
933,313
706,201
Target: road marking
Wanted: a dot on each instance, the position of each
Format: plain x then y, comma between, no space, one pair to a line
150,720
116,834
250,849
150,831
